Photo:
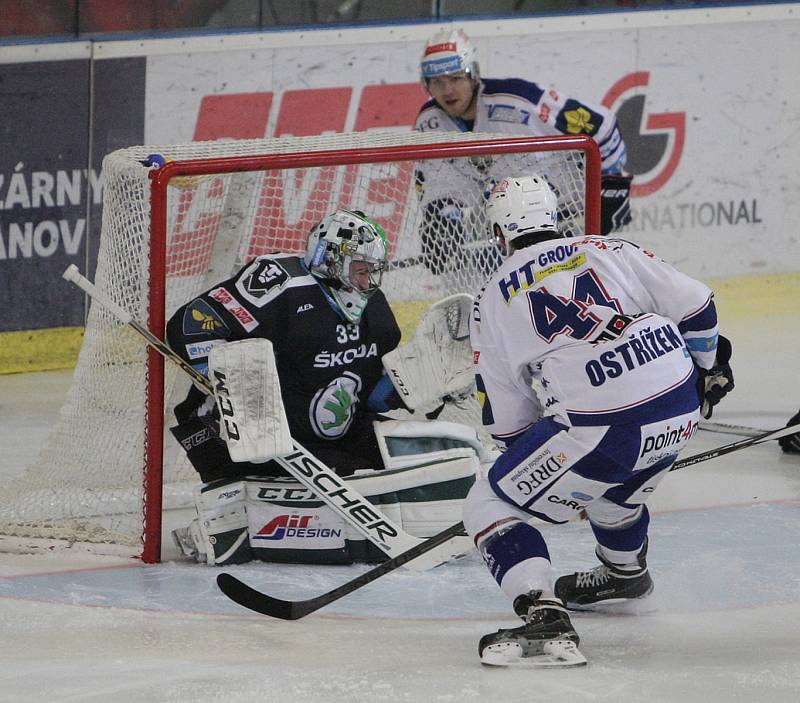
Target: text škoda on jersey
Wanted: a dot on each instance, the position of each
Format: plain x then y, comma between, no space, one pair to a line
328,359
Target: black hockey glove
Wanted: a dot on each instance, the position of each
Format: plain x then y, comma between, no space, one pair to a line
615,207
716,382
791,443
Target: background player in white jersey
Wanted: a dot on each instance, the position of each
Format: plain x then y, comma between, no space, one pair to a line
462,100
592,360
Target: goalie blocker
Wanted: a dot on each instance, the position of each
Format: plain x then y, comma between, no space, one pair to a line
430,469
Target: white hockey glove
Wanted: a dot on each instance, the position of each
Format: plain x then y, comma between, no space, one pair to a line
437,363
248,394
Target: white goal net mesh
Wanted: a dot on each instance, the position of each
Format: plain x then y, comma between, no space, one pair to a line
89,484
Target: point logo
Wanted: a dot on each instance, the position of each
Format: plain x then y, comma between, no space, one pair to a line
654,141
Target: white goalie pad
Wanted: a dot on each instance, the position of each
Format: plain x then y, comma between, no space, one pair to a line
248,394
437,362
220,530
424,499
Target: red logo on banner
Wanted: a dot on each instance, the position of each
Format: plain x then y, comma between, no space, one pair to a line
285,196
655,144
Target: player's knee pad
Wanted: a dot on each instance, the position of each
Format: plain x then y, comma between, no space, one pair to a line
484,508
611,516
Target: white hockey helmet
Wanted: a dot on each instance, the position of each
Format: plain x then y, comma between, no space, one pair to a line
349,250
449,52
519,206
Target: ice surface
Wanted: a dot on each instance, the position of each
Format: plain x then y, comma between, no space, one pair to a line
722,625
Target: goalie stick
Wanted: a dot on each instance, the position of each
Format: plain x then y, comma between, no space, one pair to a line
389,537
250,598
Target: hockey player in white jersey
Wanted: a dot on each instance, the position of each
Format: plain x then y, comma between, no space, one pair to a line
462,100
593,358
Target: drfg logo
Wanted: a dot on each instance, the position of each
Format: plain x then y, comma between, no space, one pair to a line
537,472
654,141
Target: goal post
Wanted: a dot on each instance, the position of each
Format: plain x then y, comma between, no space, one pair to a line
110,468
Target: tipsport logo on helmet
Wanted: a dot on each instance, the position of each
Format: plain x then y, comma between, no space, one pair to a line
441,60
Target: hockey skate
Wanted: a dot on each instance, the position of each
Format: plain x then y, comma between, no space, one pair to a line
545,640
187,539
605,585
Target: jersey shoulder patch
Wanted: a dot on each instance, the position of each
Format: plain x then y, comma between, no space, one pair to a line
266,277
512,86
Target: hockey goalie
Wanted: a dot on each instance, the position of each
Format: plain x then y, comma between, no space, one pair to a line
324,371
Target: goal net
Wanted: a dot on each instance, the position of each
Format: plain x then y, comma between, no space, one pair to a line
110,467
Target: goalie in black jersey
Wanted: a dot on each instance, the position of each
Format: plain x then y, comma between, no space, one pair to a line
330,325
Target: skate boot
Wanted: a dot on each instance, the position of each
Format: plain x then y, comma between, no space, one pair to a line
546,638
187,539
606,584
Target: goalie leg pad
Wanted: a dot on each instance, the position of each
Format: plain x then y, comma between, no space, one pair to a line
288,523
219,534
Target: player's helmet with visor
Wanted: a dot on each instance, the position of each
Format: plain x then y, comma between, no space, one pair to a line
349,251
520,206
448,53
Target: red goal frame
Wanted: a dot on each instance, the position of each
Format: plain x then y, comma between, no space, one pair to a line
160,178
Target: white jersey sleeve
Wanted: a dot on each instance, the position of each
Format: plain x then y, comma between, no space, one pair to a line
496,378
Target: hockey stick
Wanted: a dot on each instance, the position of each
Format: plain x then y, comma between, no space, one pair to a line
722,428
735,446
300,463
249,597
244,595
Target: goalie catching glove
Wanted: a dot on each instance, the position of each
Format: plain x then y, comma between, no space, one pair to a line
436,365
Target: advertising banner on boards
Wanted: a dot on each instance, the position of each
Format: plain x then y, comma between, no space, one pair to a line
50,201
44,190
690,103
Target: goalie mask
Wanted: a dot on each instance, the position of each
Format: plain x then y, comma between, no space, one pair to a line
521,206
448,53
349,252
